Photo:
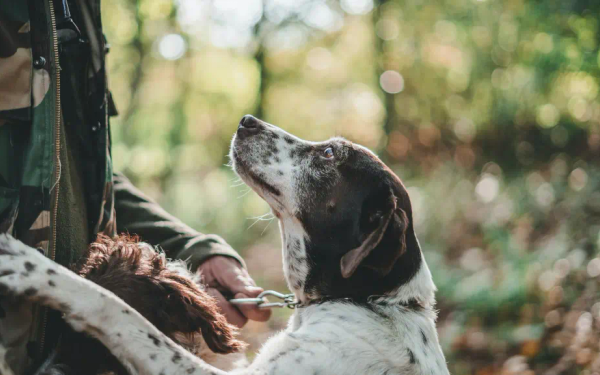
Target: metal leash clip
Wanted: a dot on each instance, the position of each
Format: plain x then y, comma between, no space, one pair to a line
288,300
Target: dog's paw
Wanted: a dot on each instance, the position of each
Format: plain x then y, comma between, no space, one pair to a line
21,268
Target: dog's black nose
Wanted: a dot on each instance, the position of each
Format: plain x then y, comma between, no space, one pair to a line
249,122
249,125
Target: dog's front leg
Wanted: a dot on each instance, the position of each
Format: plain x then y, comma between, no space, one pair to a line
140,346
4,368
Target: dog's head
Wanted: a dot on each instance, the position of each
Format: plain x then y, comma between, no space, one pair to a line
346,218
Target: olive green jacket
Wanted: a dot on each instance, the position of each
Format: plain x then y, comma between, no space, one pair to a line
57,186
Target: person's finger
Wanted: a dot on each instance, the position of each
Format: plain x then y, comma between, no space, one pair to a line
237,280
252,312
242,285
233,315
230,278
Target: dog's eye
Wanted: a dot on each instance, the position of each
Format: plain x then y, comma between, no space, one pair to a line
328,153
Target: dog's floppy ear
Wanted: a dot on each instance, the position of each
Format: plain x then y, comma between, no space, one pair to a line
190,308
384,225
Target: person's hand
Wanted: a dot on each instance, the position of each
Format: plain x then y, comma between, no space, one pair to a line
225,276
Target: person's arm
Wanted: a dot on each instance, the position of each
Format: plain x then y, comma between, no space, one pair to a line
223,270
140,215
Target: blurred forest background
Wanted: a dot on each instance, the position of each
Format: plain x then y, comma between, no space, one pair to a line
487,109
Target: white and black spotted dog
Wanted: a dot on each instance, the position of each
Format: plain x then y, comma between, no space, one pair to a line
350,256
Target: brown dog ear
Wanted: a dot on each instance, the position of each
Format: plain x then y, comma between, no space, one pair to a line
385,239
352,259
190,308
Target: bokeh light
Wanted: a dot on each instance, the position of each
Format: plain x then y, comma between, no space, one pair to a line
172,46
487,188
391,82
357,6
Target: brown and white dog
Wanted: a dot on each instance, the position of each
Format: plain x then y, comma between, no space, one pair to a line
350,255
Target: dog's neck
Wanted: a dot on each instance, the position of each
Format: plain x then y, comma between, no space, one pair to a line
420,289
295,260
417,293
410,280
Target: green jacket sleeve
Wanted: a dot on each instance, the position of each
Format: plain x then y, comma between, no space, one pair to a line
138,214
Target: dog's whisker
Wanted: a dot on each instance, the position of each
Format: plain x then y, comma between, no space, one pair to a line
263,216
251,225
259,218
244,194
269,223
